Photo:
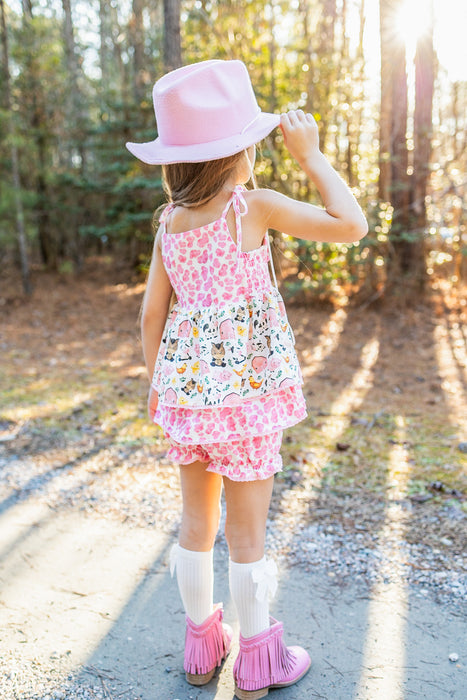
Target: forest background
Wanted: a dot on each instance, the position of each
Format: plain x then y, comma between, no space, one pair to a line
374,484
76,84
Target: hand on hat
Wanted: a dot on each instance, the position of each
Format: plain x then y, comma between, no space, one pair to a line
301,136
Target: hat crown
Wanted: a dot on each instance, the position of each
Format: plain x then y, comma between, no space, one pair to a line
204,111
204,102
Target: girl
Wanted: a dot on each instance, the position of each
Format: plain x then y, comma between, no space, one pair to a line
225,379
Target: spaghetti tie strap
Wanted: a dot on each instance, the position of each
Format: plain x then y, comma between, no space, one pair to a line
235,199
239,199
228,205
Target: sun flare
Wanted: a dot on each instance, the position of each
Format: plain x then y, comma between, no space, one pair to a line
412,21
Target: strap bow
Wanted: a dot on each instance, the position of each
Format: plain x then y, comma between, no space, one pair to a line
240,201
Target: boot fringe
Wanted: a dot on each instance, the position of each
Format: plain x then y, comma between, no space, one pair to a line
206,645
264,660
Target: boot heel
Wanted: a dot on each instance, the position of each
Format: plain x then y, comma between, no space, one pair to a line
199,678
250,694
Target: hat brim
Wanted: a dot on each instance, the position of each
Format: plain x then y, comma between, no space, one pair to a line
157,153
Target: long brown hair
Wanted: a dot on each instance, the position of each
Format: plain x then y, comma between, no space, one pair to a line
194,184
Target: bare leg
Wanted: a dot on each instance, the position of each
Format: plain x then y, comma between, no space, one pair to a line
247,509
193,556
207,640
247,512
201,491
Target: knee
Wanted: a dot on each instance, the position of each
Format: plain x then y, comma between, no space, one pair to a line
198,531
246,544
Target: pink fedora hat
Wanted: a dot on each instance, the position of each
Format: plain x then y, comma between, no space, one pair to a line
204,111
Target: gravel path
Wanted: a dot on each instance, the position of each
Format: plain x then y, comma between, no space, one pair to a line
139,487
89,612
100,482
365,543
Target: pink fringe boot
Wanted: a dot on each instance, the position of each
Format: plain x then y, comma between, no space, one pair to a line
206,646
264,662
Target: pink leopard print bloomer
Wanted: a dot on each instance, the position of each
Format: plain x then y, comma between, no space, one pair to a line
227,369
247,459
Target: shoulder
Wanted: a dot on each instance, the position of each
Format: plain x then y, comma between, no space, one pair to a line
261,196
263,203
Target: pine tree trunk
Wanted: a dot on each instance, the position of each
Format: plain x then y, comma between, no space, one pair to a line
137,40
20,228
120,67
172,40
356,121
386,34
394,182
105,36
399,153
400,183
76,115
326,51
454,151
47,242
76,124
424,87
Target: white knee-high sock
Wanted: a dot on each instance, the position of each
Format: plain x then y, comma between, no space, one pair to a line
195,578
253,614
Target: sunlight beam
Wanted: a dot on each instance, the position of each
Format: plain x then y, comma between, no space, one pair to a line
412,21
383,666
327,343
74,607
350,399
452,384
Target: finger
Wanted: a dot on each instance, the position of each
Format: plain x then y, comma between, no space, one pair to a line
293,118
283,124
286,124
300,116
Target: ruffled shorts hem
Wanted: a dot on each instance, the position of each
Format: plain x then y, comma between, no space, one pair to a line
254,475
248,459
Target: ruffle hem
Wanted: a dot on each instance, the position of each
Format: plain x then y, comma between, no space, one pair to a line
258,416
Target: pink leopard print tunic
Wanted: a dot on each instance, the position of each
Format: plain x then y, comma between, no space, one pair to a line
227,366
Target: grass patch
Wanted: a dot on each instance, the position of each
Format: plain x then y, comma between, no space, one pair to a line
361,457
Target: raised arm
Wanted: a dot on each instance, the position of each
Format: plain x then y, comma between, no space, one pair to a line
342,220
